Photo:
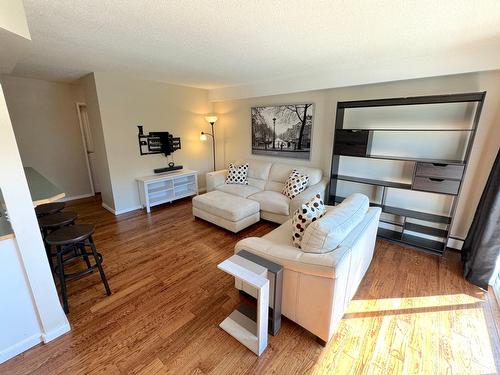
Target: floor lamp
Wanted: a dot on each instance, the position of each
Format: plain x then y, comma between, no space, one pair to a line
203,136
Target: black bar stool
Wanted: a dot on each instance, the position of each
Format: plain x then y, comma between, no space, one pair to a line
50,223
74,239
49,208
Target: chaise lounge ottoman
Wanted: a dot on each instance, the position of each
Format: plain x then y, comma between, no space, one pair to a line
226,210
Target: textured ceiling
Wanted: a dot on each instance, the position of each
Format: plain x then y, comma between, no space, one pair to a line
212,44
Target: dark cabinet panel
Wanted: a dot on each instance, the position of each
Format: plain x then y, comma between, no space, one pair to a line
350,149
352,136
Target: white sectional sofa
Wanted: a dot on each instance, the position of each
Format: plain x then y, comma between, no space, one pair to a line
265,182
317,287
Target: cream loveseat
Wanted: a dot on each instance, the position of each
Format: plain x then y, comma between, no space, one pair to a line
265,183
317,287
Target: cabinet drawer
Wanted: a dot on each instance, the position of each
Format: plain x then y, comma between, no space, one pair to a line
350,149
436,185
436,170
352,136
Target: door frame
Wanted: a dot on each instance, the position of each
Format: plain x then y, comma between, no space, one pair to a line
79,105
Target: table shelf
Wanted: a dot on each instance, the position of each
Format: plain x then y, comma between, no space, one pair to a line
167,187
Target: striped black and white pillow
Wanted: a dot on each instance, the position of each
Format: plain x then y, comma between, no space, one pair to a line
295,184
237,174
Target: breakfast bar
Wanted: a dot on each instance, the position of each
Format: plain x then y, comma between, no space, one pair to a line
42,191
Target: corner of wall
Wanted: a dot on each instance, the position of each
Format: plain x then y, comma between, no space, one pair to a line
102,166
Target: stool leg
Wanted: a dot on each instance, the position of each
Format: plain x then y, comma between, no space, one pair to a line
84,254
99,266
62,281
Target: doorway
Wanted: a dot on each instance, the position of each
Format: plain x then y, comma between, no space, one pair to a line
88,146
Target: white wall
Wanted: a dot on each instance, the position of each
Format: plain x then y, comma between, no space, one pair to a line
26,256
124,103
101,157
47,130
235,126
18,319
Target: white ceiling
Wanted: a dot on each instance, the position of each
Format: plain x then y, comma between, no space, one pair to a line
219,43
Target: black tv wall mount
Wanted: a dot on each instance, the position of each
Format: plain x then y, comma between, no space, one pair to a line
157,142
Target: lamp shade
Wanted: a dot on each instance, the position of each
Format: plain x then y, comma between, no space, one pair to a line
203,137
211,119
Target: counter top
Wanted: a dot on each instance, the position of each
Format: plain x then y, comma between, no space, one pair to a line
41,190
5,228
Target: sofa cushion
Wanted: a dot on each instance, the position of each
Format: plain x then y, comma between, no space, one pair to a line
328,232
272,201
227,206
239,190
295,184
259,169
293,259
237,174
308,213
279,174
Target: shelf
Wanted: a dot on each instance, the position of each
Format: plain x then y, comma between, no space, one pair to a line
409,130
434,247
429,99
160,189
425,216
416,214
424,229
161,199
361,180
422,160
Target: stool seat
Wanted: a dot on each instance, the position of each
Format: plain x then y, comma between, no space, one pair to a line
70,235
59,219
49,208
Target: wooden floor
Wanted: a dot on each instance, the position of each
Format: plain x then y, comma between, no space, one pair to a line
413,313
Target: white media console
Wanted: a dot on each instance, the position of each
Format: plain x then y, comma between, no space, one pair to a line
167,187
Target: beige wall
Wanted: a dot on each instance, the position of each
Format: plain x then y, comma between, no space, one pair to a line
235,138
47,130
126,102
101,158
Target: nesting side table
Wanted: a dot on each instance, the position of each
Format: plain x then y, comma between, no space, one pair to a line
247,326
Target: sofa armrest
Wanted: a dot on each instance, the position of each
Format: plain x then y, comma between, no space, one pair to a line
307,195
215,179
322,265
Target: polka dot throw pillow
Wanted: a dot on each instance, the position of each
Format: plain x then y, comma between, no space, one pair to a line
295,184
305,215
237,174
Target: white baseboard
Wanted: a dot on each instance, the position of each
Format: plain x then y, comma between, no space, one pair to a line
122,211
455,243
55,333
106,207
20,347
125,210
65,199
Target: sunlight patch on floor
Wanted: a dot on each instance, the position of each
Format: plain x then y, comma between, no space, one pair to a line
444,334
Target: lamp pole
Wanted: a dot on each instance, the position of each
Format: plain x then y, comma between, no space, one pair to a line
274,132
213,142
211,120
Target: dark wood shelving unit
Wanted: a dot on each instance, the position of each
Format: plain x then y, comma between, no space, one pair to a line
430,175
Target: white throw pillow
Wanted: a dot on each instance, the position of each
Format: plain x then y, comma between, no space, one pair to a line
237,174
305,215
295,184
327,234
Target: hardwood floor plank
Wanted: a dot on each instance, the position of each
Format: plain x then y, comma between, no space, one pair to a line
412,314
